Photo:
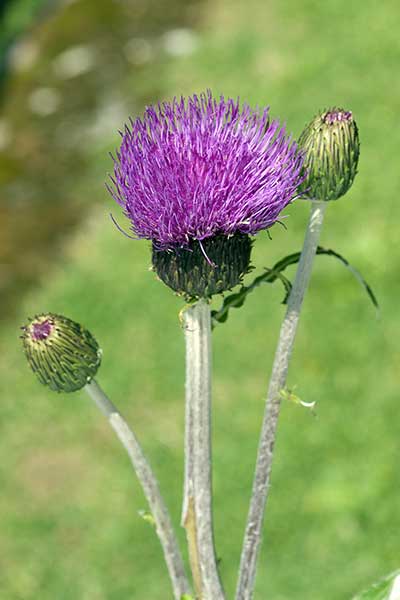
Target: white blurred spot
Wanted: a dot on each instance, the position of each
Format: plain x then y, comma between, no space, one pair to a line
5,134
109,117
44,101
74,61
395,591
81,131
180,42
22,55
139,51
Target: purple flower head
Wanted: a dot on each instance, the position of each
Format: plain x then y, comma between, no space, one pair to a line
195,168
41,330
337,114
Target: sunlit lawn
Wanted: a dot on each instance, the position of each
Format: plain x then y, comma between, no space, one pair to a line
70,527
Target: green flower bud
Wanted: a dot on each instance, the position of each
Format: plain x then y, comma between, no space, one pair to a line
331,146
63,354
205,268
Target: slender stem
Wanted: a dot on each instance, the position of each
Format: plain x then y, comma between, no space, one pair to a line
197,501
150,487
253,533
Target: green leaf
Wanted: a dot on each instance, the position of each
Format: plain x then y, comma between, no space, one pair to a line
237,299
294,258
387,588
352,270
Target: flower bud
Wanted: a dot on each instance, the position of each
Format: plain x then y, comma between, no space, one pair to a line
63,354
331,149
204,268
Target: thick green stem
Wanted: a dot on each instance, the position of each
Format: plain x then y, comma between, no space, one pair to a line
253,533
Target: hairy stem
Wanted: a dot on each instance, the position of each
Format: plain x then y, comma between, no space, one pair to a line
197,500
150,488
253,532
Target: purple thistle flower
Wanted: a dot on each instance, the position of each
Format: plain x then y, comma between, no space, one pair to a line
196,168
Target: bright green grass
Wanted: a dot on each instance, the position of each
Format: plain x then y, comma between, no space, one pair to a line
69,502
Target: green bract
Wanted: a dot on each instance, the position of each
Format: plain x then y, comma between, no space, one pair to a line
331,146
63,354
204,268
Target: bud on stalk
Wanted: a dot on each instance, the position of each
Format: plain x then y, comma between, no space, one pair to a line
65,356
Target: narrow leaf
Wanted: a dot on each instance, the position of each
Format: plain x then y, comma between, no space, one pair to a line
294,258
353,270
237,299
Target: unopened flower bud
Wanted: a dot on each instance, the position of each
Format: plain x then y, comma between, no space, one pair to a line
63,354
331,149
204,268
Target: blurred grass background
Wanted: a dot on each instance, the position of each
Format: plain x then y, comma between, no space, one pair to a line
69,505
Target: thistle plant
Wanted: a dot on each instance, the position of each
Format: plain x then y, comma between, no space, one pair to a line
196,178
199,178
